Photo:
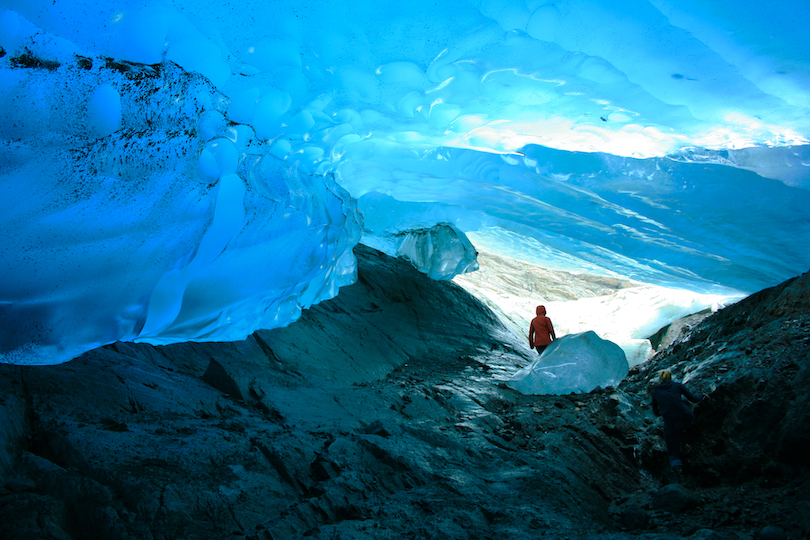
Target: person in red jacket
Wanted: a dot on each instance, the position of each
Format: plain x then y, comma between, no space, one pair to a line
541,331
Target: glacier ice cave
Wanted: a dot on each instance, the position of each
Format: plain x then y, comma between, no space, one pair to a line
197,170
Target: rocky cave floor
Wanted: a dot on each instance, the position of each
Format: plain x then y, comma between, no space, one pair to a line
716,495
390,438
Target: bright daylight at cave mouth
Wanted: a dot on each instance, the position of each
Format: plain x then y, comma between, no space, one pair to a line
184,178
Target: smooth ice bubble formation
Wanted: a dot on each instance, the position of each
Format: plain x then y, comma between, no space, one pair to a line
104,111
576,363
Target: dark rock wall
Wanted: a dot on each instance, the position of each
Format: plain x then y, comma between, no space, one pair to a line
753,359
750,443
383,414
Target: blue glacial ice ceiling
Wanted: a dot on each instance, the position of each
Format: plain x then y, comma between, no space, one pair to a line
199,170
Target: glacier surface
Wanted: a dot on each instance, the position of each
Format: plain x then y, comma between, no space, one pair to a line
175,170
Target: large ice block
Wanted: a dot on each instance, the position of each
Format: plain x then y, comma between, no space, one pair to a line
577,363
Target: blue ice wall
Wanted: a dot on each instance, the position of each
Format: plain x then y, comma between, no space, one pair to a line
688,222
133,210
198,170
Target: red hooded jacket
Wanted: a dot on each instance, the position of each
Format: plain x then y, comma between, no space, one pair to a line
541,331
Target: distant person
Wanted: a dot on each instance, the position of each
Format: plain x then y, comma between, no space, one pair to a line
678,416
541,331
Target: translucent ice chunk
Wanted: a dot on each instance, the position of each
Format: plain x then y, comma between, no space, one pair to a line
442,252
577,363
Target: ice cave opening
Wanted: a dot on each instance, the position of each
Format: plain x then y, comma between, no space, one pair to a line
175,171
